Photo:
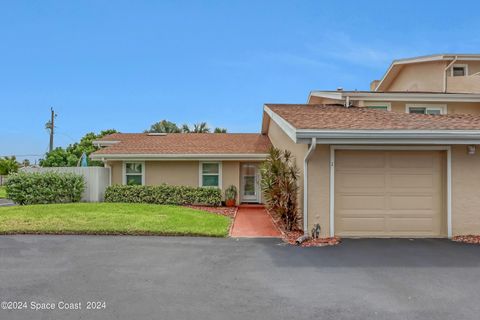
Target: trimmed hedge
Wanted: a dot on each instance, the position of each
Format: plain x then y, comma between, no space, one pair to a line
164,194
44,188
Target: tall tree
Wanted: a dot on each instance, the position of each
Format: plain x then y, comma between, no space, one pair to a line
8,165
185,128
59,157
164,126
70,156
201,127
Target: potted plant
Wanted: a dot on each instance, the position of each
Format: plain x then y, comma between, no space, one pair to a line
230,196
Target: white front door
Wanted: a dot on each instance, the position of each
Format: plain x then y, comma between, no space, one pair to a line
250,183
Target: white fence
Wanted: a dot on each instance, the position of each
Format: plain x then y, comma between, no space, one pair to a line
97,179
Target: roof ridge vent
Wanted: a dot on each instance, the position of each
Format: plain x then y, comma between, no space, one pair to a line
156,134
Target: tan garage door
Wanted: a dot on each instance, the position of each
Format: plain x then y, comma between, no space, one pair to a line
389,193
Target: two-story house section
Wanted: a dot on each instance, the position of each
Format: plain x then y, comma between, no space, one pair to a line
400,160
434,84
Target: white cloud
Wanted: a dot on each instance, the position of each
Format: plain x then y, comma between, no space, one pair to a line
327,51
289,58
253,59
368,53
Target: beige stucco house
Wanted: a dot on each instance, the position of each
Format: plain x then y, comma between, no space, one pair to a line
190,159
400,160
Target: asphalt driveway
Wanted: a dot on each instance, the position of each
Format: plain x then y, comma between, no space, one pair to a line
204,278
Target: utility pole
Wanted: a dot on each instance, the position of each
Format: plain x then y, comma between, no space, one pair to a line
50,125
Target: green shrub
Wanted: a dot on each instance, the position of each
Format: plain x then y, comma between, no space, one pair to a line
8,165
43,188
163,194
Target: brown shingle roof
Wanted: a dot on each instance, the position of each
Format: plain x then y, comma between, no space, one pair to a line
338,117
186,143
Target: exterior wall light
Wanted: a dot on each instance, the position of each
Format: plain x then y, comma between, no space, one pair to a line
471,149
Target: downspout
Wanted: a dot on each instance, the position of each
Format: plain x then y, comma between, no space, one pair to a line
445,74
310,151
109,171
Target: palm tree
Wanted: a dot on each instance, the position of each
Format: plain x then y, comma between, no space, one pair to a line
164,126
201,127
185,128
220,130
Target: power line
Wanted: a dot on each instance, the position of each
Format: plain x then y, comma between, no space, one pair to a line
50,125
22,155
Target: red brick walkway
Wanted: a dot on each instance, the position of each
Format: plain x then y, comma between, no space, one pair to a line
253,222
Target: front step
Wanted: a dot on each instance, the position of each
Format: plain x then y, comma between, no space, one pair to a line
251,205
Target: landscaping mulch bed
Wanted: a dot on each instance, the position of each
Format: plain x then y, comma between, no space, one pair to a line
322,242
291,237
224,211
472,239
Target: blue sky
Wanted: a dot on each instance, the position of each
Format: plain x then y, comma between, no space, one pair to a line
127,64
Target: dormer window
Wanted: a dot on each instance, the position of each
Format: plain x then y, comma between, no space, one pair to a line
459,70
426,108
386,106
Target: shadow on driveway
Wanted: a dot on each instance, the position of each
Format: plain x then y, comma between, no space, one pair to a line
379,253
237,279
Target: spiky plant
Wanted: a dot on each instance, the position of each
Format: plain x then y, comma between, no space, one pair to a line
280,188
231,193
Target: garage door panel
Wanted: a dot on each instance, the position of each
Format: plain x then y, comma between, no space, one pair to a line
361,202
352,160
358,214
364,224
413,225
387,226
398,194
360,180
413,181
413,202
413,159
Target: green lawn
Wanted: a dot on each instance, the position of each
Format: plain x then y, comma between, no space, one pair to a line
111,218
3,192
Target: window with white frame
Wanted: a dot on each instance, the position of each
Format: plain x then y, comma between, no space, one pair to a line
210,174
459,70
134,173
426,109
387,106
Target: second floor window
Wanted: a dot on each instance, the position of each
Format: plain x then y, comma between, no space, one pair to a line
459,70
387,106
378,107
421,110
426,109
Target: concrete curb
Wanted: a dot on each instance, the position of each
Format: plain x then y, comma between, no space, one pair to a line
275,223
233,222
